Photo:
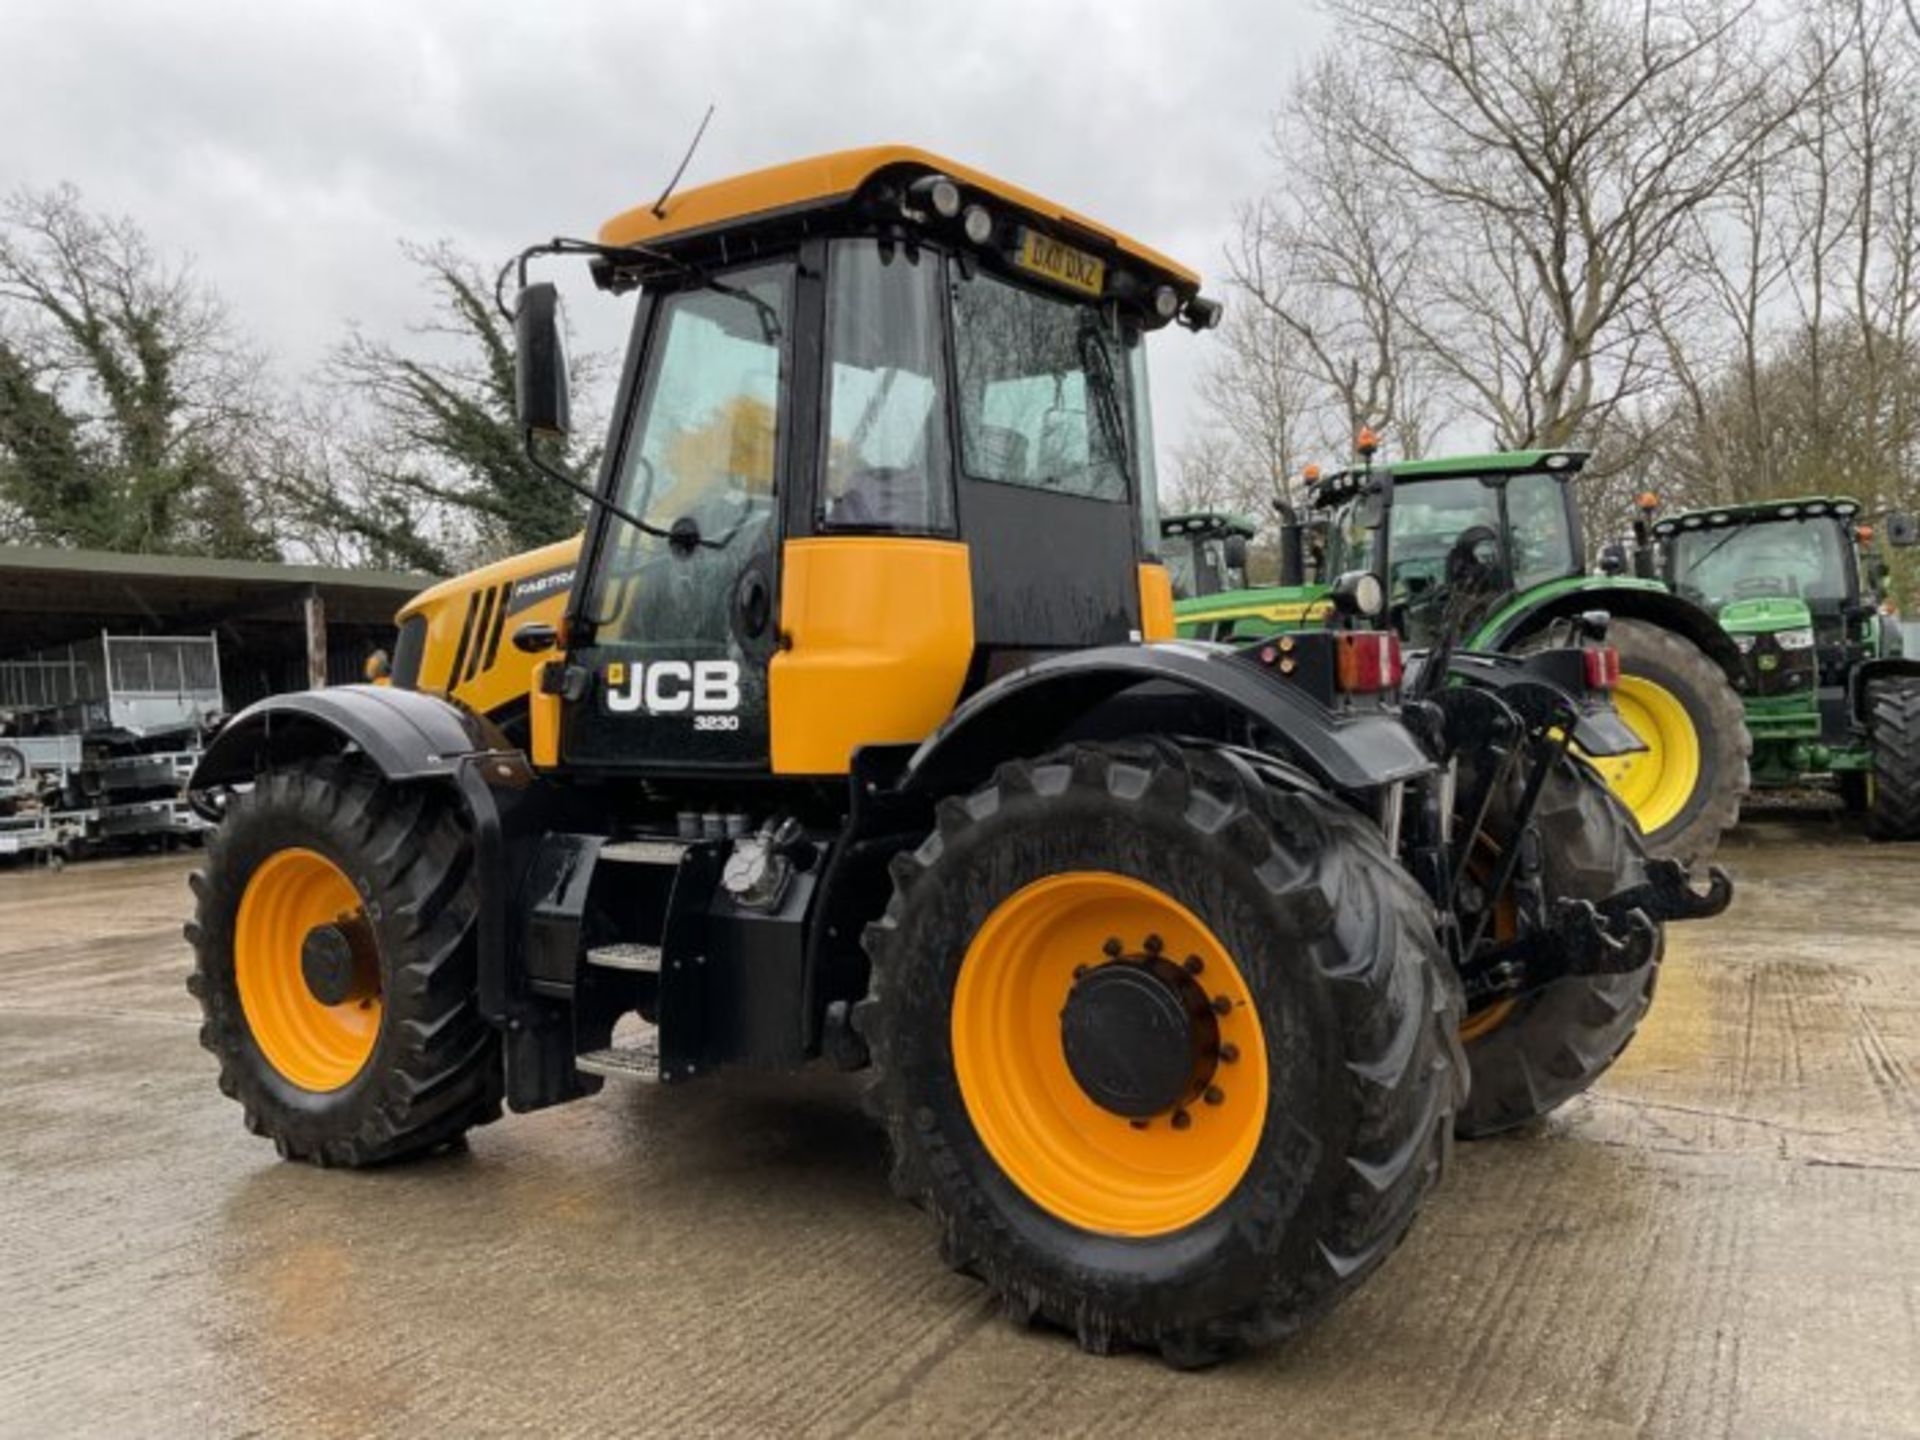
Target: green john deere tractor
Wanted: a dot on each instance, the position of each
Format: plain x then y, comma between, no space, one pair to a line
1205,551
1799,587
1414,522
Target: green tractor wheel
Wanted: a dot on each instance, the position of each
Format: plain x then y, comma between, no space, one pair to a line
1685,789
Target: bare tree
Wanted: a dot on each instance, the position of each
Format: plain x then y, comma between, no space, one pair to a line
1556,151
414,454
132,415
1326,263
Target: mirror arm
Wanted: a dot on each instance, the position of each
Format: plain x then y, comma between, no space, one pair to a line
588,493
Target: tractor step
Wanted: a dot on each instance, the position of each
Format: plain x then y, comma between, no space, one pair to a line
627,955
638,1059
643,852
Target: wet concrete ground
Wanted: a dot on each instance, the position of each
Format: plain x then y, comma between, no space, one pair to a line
1724,1239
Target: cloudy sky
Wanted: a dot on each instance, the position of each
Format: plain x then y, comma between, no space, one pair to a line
288,147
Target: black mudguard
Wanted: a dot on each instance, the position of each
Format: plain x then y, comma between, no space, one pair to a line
1887,667
1656,607
1174,687
407,734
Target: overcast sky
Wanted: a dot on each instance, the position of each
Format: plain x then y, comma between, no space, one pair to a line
289,147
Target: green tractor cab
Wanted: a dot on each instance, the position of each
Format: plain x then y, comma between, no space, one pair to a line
1513,515
1799,586
1205,552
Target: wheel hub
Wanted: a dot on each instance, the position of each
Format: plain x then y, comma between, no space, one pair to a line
338,964
1140,1036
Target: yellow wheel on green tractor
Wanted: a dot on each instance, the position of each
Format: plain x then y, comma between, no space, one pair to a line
1656,783
1684,790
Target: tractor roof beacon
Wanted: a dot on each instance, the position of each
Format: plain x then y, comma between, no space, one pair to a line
1800,585
1409,520
834,737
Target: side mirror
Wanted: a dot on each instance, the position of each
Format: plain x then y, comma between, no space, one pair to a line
540,363
1236,552
1377,501
1902,529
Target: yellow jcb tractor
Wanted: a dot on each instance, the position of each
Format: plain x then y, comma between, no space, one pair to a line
841,735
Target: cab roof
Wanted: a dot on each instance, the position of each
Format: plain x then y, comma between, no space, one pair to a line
1799,507
826,181
1208,522
1506,463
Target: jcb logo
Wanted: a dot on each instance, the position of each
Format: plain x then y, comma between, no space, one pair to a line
673,687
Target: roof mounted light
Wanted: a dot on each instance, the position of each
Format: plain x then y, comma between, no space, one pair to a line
1166,301
936,193
1202,314
978,224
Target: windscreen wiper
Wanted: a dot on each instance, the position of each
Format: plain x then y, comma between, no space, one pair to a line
1100,382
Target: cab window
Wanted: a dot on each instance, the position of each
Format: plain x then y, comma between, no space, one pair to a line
1541,536
1042,390
699,462
886,463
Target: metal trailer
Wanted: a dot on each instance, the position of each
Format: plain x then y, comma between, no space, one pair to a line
135,685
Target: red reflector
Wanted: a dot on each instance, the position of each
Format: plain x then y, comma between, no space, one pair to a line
1603,667
1369,662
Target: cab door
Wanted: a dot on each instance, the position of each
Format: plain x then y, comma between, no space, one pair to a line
677,615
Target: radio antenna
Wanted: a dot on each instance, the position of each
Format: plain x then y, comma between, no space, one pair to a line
660,205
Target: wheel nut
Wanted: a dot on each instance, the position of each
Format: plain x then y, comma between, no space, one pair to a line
1154,944
1229,1053
1138,1124
1078,971
1214,1095
1181,1119
1113,945
1222,1005
1195,964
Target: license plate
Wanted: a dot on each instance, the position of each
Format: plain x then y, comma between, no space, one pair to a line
1061,264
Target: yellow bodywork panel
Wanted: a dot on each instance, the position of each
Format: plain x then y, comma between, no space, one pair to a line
880,634
469,653
825,180
1156,602
543,718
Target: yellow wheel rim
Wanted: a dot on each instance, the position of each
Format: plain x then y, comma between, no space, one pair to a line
1077,1160
1656,783
313,1045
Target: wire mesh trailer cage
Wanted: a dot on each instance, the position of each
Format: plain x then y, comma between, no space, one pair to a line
139,685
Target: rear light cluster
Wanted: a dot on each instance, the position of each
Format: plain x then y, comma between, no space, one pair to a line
1368,661
1603,667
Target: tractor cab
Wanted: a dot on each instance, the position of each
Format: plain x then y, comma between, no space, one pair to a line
1417,523
1205,552
875,397
1798,584
1784,577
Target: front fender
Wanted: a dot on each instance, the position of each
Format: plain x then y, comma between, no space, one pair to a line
1885,667
406,734
1147,688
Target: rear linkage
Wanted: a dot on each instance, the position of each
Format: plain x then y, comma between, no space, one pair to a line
1499,719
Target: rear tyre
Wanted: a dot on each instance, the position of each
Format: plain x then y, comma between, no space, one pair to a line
334,963
1856,790
1532,1053
1685,789
1893,727
1308,1114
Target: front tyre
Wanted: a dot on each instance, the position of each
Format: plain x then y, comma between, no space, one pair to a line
1893,729
334,963
1167,1051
